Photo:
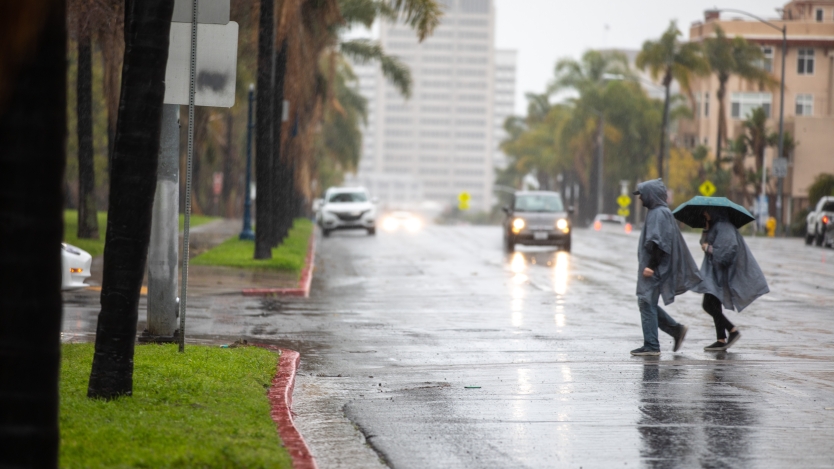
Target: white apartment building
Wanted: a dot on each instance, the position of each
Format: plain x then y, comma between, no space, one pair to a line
442,141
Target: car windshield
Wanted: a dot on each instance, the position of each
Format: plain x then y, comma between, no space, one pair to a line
828,207
348,197
538,203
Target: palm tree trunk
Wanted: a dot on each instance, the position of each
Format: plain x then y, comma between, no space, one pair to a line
667,82
87,213
279,173
264,209
133,182
32,162
722,123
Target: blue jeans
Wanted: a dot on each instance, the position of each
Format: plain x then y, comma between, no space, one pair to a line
653,316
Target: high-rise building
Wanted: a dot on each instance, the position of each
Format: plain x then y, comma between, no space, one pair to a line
442,140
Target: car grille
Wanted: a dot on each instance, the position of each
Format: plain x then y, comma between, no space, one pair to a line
349,216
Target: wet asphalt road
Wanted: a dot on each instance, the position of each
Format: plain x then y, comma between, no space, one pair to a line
398,325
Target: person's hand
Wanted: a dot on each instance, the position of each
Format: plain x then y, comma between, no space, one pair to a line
647,272
704,247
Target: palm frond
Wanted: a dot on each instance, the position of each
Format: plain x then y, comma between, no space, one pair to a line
364,50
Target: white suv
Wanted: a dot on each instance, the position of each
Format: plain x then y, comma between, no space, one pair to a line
346,208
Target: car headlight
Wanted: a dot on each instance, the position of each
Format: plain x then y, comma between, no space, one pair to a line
390,224
562,224
518,225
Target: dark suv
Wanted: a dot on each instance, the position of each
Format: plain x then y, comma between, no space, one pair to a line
537,218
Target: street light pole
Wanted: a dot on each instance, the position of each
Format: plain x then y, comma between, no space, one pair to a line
247,233
600,143
784,31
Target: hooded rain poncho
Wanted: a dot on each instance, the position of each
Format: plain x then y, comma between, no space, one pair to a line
730,273
677,271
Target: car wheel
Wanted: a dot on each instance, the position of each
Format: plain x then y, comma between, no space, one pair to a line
509,244
809,238
818,238
371,231
325,232
566,246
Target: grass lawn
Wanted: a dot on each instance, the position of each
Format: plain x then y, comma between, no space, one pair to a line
289,256
96,246
206,408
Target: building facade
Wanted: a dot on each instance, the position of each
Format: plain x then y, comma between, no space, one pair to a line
809,92
442,140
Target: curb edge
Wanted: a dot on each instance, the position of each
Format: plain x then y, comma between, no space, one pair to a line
280,399
304,282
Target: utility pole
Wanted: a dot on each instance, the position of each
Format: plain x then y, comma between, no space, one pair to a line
247,233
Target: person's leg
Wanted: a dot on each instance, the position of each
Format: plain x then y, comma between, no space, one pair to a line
648,319
666,323
712,305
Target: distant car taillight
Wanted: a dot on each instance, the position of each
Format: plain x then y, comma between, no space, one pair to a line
597,225
628,228
825,219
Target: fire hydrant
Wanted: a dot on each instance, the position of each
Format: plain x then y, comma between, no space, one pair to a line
770,226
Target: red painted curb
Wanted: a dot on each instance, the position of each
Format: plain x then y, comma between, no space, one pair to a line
304,282
280,398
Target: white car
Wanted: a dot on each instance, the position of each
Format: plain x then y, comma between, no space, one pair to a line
75,267
605,222
346,208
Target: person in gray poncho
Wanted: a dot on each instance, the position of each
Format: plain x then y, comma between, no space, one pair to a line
732,276
666,269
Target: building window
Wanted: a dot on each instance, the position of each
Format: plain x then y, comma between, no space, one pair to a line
819,14
474,6
742,104
804,105
706,104
767,58
805,62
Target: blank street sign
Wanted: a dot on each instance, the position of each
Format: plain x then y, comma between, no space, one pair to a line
216,64
208,11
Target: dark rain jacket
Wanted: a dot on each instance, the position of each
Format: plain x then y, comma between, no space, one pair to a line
677,271
730,272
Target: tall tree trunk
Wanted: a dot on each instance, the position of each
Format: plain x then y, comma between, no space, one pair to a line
667,83
87,213
133,182
280,180
111,40
32,162
722,124
264,131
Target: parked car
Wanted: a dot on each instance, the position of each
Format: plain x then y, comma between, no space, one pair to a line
75,267
537,218
818,219
828,239
346,208
606,222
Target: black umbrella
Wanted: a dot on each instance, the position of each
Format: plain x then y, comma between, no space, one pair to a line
692,211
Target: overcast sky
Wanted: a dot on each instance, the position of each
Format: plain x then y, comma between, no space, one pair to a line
543,31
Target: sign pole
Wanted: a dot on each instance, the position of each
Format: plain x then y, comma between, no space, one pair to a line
191,91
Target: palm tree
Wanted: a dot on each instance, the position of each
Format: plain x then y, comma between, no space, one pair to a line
674,61
133,182
728,57
32,137
589,78
264,131
87,213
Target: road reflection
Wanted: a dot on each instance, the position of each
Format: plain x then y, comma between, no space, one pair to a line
692,426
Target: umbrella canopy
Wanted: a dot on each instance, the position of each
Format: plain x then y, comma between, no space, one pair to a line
691,212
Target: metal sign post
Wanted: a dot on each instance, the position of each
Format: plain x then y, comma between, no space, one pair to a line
191,91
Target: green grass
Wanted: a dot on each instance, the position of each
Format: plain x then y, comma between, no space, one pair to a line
96,246
206,408
289,256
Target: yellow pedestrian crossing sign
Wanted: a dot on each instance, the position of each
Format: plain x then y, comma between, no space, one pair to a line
707,188
623,212
463,200
623,201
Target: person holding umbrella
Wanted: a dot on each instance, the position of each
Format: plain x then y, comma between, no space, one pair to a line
731,275
666,268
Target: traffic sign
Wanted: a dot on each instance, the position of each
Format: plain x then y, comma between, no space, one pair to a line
463,200
780,167
623,212
216,71
623,200
707,188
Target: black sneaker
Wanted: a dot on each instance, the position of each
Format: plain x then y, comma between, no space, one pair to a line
645,352
679,337
716,347
734,336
